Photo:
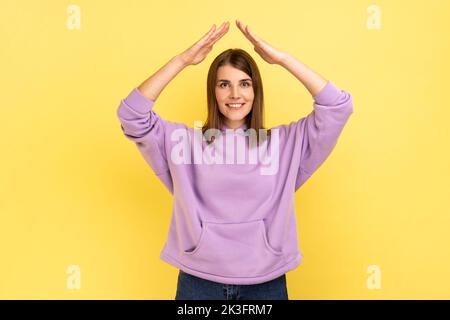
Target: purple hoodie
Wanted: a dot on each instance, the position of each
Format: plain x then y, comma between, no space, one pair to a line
234,222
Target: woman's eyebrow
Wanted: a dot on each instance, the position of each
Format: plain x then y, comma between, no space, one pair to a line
224,80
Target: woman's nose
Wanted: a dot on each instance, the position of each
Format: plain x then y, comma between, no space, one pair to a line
234,93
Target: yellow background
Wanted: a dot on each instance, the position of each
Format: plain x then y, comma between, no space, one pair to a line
75,191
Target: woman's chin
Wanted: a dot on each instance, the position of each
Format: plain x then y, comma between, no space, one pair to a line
235,118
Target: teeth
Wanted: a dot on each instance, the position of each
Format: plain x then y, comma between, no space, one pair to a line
235,105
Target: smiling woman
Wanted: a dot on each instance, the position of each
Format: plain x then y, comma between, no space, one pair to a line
237,103
234,93
234,231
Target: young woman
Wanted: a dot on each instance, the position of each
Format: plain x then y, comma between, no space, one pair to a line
233,231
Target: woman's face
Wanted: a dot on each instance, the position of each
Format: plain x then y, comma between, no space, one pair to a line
234,86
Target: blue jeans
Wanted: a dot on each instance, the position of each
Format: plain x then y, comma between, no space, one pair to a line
190,287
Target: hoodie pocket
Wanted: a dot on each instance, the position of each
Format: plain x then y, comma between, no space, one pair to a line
234,250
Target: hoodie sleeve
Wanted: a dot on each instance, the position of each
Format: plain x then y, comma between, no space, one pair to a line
318,132
142,125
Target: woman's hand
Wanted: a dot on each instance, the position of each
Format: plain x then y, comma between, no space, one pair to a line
265,50
198,52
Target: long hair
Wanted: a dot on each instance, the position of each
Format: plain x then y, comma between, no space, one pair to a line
241,60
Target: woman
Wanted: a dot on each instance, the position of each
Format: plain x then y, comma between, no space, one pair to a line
233,232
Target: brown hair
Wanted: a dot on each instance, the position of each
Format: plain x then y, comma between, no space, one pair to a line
241,60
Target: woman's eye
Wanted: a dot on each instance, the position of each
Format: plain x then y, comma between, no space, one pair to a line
246,84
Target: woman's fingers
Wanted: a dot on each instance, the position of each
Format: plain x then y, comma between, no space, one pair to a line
211,31
210,37
241,27
252,35
219,33
207,35
247,33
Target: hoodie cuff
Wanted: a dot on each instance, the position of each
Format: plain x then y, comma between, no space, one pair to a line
329,94
138,102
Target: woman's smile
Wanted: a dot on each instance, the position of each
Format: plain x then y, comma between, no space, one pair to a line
235,106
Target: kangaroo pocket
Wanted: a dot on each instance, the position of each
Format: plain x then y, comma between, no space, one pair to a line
234,250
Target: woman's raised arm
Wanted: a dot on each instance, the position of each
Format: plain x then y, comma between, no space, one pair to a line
152,87
141,124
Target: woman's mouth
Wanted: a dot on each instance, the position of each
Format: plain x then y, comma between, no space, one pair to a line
234,106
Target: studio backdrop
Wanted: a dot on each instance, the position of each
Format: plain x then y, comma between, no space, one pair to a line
83,216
